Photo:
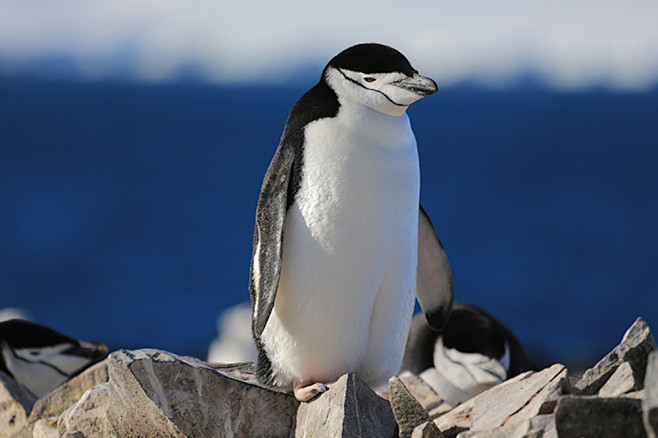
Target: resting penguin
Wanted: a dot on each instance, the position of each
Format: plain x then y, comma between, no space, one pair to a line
41,358
341,245
472,353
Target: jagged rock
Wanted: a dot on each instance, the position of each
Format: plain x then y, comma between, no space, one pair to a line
650,404
88,416
459,418
545,401
634,348
61,398
527,395
350,408
623,380
595,417
44,429
636,395
427,430
155,393
514,401
425,395
408,412
541,426
15,405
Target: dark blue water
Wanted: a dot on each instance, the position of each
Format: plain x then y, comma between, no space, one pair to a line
126,211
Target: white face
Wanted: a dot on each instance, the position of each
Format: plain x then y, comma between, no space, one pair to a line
40,370
387,93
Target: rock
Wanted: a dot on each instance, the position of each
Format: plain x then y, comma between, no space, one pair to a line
44,429
545,401
349,409
155,393
61,398
456,420
15,405
427,430
636,395
650,404
541,426
595,417
88,416
521,399
634,348
623,380
425,395
408,412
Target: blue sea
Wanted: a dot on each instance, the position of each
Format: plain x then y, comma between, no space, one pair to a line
126,210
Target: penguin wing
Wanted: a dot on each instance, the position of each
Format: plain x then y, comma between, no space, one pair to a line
268,237
433,276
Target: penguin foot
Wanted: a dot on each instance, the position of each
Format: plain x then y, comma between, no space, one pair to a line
305,392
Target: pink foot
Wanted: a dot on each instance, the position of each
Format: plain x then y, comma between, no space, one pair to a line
305,392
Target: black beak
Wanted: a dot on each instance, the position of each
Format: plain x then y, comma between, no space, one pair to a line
418,84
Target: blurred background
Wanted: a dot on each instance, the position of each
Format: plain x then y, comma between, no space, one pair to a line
134,137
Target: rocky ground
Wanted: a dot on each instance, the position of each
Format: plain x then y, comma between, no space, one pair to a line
151,393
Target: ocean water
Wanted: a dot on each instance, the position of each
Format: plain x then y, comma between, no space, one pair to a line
126,210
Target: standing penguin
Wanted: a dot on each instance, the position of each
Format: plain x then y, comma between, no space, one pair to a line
341,246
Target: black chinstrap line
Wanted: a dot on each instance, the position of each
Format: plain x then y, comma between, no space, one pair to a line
371,89
38,362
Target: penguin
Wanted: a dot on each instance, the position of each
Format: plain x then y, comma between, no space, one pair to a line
40,358
341,244
472,353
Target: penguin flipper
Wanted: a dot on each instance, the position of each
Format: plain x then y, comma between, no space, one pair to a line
268,238
433,276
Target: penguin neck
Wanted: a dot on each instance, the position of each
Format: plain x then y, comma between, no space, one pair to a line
375,127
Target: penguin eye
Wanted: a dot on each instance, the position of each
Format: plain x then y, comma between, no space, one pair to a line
369,79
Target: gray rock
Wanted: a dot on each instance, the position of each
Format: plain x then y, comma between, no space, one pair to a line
349,409
637,395
623,380
15,405
634,348
425,395
525,396
458,419
44,429
650,404
595,417
517,400
545,400
408,412
196,399
61,398
88,416
427,430
541,426
155,393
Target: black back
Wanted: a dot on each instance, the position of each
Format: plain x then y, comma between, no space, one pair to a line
317,103
19,333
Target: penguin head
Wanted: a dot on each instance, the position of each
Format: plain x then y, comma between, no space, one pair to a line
377,77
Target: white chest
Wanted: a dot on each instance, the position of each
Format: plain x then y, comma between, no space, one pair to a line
360,177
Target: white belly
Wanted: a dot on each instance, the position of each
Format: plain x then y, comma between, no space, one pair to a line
348,276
